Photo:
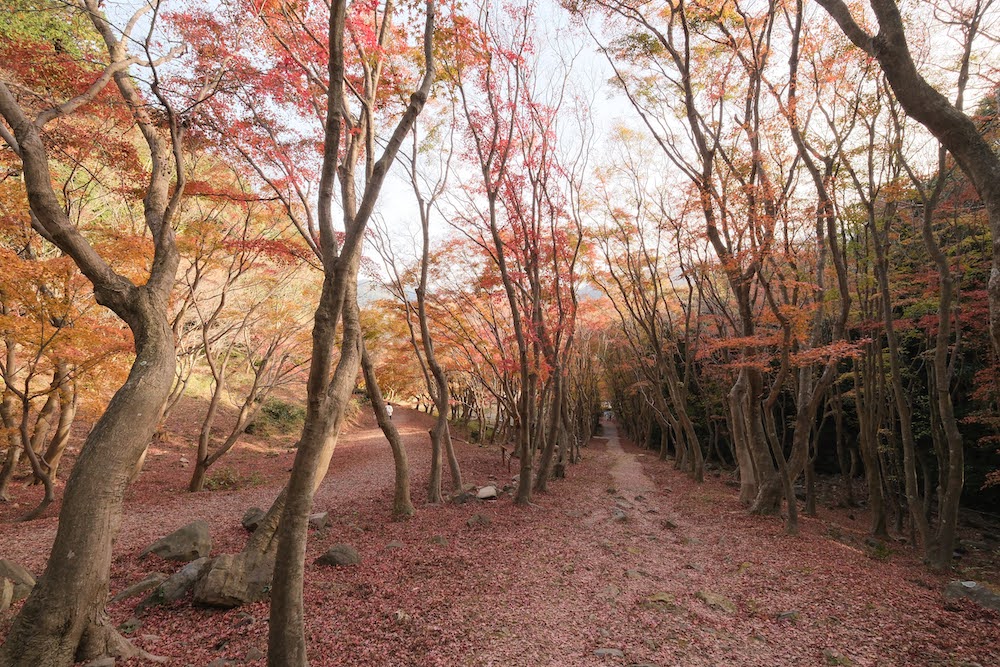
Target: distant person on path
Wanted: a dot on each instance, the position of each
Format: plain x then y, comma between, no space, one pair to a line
388,409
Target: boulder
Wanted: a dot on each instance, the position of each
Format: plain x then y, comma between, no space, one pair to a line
130,626
478,520
318,521
462,498
176,586
717,601
617,514
439,540
609,652
20,577
487,493
252,518
395,544
973,590
151,581
340,554
6,594
185,544
233,580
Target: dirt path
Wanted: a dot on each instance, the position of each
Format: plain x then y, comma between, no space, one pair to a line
626,562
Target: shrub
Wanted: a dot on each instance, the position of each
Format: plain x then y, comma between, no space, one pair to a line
225,479
277,416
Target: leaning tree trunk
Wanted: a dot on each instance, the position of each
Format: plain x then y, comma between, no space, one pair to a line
402,506
67,414
63,618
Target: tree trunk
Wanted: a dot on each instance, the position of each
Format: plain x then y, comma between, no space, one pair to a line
68,601
67,414
402,506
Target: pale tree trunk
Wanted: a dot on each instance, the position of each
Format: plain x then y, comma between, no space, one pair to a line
14,444
67,414
914,500
328,397
326,409
63,618
402,506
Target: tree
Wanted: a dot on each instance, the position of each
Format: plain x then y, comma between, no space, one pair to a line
63,618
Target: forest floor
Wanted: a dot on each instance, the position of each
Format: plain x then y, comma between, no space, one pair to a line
625,562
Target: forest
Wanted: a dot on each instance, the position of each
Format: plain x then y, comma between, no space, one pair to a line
535,332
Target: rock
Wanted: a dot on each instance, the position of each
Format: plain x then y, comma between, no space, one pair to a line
633,574
609,652
244,619
340,554
662,598
439,540
20,577
221,662
6,594
233,580
185,544
252,518
696,567
790,615
478,520
487,493
176,586
617,514
972,590
151,581
668,524
975,545
834,658
395,544
254,654
611,591
130,626
401,617
717,601
463,497
318,521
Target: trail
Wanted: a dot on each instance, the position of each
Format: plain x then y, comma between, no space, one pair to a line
625,562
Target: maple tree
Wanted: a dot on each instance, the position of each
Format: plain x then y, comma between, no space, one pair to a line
63,616
779,264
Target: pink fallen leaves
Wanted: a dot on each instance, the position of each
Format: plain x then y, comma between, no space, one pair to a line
549,584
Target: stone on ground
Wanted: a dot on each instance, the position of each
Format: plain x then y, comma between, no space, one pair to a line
185,544
252,518
487,493
975,591
609,652
717,601
478,520
340,554
232,580
318,521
